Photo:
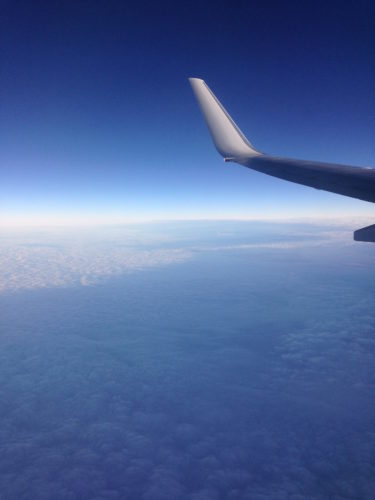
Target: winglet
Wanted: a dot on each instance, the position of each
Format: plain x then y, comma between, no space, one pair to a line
227,137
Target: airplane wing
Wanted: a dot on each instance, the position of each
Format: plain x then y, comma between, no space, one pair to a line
356,182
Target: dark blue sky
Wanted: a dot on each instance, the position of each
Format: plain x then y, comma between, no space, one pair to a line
98,121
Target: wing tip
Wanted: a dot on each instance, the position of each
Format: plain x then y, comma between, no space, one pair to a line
227,137
194,80
366,234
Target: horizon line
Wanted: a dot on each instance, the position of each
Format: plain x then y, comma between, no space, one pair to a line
89,222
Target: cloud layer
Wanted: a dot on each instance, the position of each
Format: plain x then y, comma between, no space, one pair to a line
242,373
66,259
69,257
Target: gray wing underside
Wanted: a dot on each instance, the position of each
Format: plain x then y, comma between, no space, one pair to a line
356,182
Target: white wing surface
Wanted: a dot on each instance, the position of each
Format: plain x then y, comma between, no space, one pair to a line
356,182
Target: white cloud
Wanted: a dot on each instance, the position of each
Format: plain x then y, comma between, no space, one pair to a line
48,257
49,262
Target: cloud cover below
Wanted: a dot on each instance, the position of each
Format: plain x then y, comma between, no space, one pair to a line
50,257
239,373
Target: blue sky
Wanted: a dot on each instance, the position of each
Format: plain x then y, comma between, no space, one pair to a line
99,124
